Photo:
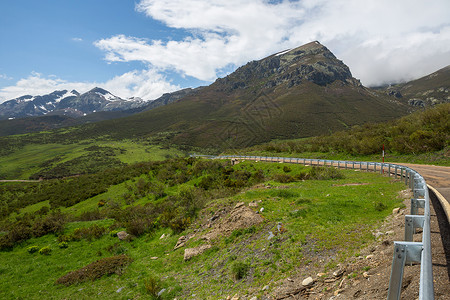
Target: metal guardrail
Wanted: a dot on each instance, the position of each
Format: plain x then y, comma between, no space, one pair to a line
405,252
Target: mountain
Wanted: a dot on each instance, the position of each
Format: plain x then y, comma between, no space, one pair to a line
296,93
426,91
67,103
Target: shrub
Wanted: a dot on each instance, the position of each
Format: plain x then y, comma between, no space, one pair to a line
239,270
97,269
283,178
380,206
152,285
63,245
45,250
32,249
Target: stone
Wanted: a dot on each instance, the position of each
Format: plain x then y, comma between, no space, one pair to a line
308,281
396,210
119,290
181,242
271,235
161,292
254,298
154,258
321,274
338,291
338,273
390,232
235,297
163,236
370,256
261,210
253,204
366,275
265,288
378,234
239,204
191,252
122,235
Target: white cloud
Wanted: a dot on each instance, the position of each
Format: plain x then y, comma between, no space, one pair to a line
77,39
6,77
147,84
381,40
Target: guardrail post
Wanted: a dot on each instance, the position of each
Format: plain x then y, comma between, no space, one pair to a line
406,177
416,204
404,252
381,168
345,165
395,171
389,170
411,223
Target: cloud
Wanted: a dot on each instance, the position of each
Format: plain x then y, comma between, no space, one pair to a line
6,77
147,84
381,40
77,39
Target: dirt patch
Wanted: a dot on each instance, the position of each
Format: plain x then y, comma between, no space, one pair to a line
223,224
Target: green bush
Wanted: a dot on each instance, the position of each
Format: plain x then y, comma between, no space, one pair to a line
152,285
45,250
97,269
32,249
239,270
63,245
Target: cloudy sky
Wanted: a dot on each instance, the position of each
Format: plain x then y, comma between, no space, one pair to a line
147,47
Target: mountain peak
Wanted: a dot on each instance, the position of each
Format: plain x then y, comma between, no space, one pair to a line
99,90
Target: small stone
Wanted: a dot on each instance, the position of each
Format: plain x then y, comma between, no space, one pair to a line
378,234
396,210
235,297
338,291
163,236
265,288
239,204
321,274
122,235
366,275
338,273
161,292
154,258
290,280
390,232
262,209
307,281
370,256
119,290
254,298
271,235
191,252
253,204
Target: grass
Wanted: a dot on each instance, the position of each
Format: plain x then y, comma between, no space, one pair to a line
29,160
319,218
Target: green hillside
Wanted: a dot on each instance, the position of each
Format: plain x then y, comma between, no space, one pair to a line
257,223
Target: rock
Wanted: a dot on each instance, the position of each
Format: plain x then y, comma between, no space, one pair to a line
254,298
370,256
253,204
261,210
161,292
338,273
396,210
338,291
119,290
378,234
271,235
235,297
321,274
122,235
163,236
181,242
239,204
191,252
308,281
153,258
390,232
265,288
366,275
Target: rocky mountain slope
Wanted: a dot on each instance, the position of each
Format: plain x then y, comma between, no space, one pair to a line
297,93
426,91
66,103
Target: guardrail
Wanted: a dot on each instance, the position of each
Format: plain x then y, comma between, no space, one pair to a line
405,252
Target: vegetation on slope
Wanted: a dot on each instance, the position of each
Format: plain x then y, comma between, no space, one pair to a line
319,219
426,131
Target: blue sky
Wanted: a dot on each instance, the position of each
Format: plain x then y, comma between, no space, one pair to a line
147,47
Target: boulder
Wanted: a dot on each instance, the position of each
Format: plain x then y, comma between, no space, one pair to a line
192,252
122,235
